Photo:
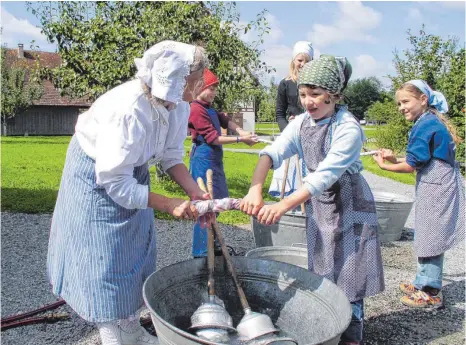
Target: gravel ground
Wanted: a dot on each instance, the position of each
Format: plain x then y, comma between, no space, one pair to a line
25,286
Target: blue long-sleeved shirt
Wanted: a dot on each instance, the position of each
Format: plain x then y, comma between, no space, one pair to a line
429,139
346,142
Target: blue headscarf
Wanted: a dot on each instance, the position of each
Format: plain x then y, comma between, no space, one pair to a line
436,99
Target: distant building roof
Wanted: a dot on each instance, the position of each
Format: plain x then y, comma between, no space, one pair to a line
51,96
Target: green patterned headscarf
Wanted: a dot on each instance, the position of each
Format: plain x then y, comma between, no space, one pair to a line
331,73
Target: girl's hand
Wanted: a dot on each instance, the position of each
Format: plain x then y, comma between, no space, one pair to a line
252,202
183,209
378,157
388,155
291,118
249,139
270,214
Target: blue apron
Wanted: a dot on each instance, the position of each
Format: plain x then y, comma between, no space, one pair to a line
99,253
204,157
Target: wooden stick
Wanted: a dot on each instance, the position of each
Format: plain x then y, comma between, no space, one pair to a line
287,165
200,183
210,187
300,179
210,249
226,254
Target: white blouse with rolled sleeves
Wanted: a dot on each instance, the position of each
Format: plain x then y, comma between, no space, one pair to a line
347,139
121,131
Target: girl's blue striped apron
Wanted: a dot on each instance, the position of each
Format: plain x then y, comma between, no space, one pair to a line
204,157
99,252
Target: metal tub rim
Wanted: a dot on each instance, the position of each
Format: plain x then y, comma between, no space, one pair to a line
278,265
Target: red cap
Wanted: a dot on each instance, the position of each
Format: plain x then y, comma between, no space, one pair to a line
209,78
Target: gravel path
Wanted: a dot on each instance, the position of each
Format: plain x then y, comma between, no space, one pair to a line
25,287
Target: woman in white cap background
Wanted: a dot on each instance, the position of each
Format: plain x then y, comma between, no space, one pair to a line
102,242
287,108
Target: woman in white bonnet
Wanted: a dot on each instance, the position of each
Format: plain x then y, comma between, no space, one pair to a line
287,108
102,242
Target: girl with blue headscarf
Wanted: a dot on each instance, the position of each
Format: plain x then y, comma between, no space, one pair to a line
439,207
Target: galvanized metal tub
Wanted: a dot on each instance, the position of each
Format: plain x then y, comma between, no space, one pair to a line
304,306
291,228
296,255
392,212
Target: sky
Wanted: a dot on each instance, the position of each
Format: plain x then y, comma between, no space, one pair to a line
367,33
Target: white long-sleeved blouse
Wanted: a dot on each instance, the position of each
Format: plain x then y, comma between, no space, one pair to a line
121,131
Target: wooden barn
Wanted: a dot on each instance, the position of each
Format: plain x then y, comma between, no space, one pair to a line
52,114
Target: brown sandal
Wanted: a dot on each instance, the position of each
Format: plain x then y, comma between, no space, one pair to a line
421,299
408,288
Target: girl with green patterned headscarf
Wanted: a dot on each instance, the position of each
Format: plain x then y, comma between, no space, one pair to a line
321,83
341,217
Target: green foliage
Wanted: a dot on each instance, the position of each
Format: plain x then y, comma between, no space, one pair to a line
267,103
442,65
382,112
394,135
361,94
452,86
98,42
428,59
20,87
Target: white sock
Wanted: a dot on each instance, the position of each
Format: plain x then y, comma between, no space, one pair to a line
109,333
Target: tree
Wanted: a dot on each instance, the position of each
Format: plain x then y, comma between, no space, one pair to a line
267,103
361,94
20,87
442,65
98,42
382,112
452,86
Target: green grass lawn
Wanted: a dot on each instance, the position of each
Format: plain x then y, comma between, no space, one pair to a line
268,126
32,168
258,146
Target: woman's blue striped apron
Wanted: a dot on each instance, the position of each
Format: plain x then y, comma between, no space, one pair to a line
204,157
99,252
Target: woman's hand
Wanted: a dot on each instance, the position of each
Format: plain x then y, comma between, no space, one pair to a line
183,209
208,218
270,214
249,139
252,202
291,118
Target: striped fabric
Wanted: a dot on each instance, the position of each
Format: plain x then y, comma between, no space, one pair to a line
99,252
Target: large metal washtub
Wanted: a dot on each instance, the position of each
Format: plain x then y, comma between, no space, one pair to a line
304,306
392,212
291,228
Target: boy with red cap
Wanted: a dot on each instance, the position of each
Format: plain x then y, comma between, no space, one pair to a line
207,152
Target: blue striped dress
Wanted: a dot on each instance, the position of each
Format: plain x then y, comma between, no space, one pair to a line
99,252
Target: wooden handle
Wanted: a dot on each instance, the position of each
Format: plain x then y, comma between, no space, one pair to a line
226,254
287,165
210,187
300,179
210,249
231,268
200,183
